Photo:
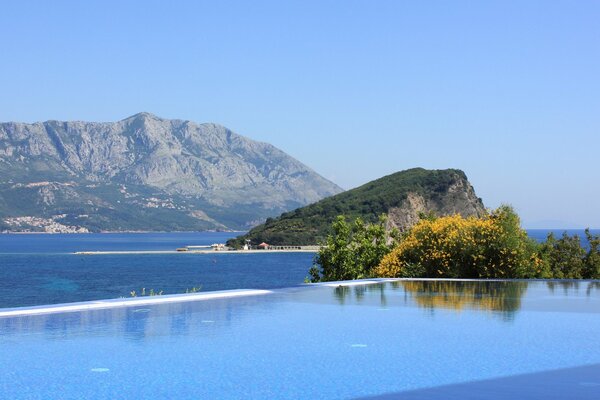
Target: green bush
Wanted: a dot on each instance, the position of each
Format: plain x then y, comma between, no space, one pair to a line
567,259
592,259
493,246
351,251
565,256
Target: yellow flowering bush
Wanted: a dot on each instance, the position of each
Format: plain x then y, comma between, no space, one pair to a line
493,246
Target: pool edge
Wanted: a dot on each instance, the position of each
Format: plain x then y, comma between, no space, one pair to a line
128,302
220,294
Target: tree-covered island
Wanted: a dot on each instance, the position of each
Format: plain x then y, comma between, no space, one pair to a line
423,223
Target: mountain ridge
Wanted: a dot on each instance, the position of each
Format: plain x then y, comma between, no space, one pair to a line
204,171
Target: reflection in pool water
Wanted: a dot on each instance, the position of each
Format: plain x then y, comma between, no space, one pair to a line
426,339
491,296
501,296
573,287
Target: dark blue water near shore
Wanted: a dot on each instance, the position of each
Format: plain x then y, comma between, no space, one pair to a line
42,269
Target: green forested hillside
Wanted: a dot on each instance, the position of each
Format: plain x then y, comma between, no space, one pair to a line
309,225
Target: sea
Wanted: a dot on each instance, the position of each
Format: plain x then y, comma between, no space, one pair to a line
37,269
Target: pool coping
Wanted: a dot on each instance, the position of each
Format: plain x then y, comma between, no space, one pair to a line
128,302
169,298
222,294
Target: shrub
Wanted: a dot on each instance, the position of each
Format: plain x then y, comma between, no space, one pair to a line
567,259
494,246
565,256
592,259
352,251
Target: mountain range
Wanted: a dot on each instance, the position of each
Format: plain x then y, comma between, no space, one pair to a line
145,173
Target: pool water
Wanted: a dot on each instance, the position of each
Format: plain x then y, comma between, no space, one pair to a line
386,339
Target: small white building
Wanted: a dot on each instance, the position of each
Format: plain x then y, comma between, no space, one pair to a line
218,246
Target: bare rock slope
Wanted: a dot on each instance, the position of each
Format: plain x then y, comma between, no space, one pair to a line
146,173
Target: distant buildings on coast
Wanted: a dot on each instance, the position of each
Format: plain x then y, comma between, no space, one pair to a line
220,247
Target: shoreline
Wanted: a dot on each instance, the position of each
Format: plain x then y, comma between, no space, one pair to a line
123,252
110,232
232,231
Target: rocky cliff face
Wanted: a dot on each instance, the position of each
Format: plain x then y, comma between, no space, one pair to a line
145,166
402,196
458,198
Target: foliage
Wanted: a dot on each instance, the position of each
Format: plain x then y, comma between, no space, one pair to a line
311,224
351,251
194,289
153,292
143,292
592,259
494,246
564,256
567,259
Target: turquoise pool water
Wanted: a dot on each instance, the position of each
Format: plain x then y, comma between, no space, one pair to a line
400,339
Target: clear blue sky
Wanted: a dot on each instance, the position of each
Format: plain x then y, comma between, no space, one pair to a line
508,91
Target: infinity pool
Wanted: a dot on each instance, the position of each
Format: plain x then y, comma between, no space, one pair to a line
413,339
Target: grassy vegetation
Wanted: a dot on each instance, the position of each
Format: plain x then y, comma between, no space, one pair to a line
310,225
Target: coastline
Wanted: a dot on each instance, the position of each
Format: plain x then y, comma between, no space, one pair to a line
109,232
124,252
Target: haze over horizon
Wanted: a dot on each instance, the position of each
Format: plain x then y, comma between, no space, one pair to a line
506,91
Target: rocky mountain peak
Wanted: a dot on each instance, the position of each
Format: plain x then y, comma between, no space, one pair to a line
142,116
205,163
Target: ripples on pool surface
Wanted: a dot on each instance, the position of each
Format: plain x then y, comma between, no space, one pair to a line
402,339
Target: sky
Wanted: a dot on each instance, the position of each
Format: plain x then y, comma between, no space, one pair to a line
507,91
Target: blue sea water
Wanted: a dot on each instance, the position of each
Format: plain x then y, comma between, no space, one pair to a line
394,340
70,243
42,269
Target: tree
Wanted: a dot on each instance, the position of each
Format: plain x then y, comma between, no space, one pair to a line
592,259
352,251
565,256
